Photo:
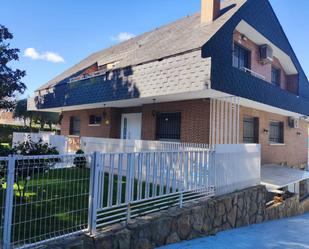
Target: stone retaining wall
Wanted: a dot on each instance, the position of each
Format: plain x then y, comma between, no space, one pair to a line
288,208
195,219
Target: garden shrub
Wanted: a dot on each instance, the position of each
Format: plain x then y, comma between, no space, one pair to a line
25,168
80,161
31,148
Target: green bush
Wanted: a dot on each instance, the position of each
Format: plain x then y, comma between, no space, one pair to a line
29,167
80,161
31,148
5,150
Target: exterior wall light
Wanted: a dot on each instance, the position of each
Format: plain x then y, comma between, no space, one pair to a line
265,131
243,37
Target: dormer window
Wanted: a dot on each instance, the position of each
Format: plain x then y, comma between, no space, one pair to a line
275,76
241,57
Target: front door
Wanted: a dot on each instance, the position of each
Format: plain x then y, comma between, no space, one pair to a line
131,126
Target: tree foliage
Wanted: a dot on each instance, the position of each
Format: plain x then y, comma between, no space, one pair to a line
21,111
41,118
10,79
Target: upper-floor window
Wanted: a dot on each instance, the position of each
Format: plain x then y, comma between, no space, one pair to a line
241,57
95,120
275,76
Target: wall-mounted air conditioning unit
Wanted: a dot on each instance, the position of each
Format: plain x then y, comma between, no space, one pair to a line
293,122
266,54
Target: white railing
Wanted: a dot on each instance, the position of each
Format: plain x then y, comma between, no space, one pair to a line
88,76
144,182
253,73
45,197
65,144
91,144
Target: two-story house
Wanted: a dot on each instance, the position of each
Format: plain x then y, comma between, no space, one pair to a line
225,75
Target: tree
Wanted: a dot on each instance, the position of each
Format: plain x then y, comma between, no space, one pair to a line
22,112
43,118
10,79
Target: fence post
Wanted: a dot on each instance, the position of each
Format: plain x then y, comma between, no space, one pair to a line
93,192
8,212
181,199
213,169
128,213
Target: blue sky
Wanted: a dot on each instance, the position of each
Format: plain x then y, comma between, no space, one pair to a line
57,34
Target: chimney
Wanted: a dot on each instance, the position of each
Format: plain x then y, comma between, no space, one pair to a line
210,10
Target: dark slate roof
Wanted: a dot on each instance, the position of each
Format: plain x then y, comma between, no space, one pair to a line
178,37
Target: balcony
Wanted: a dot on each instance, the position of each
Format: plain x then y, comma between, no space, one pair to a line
255,74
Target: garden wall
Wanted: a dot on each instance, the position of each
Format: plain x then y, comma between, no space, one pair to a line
195,219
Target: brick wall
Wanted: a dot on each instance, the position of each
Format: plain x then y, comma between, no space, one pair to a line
195,127
6,117
294,150
194,120
111,123
104,130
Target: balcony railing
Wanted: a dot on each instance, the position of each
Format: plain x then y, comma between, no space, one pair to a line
255,74
87,76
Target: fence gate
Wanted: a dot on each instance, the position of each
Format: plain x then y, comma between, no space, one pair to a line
126,185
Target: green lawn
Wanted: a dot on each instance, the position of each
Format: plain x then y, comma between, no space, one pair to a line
56,200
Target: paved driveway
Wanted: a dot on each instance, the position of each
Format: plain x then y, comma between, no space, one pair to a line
292,233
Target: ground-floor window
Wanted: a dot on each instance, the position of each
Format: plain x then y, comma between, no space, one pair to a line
75,126
251,130
95,120
276,132
168,126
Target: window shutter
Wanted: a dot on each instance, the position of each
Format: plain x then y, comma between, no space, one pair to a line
256,130
281,128
71,125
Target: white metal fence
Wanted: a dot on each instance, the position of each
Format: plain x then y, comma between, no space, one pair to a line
90,144
151,181
108,145
44,197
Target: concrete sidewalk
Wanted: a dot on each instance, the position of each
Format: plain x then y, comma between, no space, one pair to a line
291,233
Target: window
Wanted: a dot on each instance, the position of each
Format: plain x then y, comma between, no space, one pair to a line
275,76
75,126
250,130
276,132
241,57
168,126
95,120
